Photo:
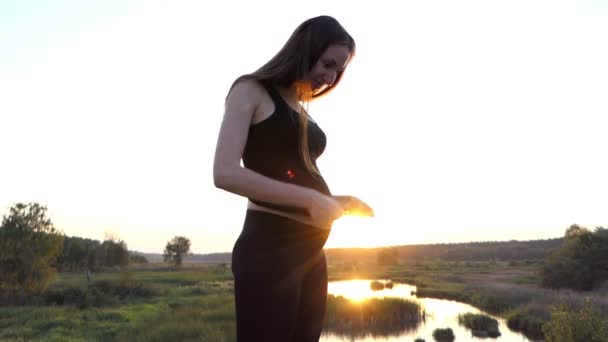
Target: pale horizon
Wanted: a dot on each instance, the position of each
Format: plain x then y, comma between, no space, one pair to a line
457,122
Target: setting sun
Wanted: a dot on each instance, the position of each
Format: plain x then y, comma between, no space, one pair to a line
352,231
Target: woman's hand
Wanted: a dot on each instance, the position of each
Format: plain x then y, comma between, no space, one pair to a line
354,206
324,209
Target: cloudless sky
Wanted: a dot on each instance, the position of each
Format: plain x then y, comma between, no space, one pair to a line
457,120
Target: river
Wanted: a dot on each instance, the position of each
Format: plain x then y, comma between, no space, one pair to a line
441,314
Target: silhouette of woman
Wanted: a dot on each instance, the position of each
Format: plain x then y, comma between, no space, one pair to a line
278,263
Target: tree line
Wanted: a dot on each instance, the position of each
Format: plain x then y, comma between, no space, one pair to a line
80,254
472,251
32,251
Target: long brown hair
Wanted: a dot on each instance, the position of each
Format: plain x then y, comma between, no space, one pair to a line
291,67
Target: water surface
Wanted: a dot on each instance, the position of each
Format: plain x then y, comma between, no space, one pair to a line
441,314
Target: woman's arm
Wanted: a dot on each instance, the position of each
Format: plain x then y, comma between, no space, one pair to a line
228,174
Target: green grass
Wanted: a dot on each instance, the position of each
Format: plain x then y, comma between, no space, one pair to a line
176,303
159,277
70,323
210,318
526,279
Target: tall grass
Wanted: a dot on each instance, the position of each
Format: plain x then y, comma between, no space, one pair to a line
375,317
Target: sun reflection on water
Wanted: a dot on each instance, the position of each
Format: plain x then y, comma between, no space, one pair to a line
359,290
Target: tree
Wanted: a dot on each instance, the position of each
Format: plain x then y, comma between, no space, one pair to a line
135,258
112,253
176,250
575,231
78,254
580,263
29,246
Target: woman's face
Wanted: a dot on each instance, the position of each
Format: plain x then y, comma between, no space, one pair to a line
325,71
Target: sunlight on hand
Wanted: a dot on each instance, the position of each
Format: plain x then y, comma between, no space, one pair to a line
357,213
352,231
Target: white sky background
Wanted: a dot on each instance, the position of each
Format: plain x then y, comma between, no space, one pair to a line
457,120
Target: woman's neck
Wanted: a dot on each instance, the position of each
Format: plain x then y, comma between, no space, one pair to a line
290,94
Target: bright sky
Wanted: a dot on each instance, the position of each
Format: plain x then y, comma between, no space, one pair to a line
457,121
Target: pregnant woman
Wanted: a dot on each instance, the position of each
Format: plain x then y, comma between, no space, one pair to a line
279,268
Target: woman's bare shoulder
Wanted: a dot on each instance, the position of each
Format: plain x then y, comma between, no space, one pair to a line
247,86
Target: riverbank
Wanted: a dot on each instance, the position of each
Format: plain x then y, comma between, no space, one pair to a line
507,289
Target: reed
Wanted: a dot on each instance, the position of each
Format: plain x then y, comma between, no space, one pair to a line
376,317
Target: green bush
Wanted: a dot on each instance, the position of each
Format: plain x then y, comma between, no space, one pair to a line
574,325
444,335
100,293
529,320
376,285
481,325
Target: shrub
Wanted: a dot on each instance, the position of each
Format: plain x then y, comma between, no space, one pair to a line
444,335
376,285
481,325
573,325
100,293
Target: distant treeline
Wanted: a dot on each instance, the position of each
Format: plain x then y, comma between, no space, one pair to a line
506,250
212,258
472,251
87,254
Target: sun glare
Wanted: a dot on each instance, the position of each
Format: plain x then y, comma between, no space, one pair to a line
354,290
351,231
359,290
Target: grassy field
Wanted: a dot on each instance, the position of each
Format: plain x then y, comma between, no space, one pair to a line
196,303
161,305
